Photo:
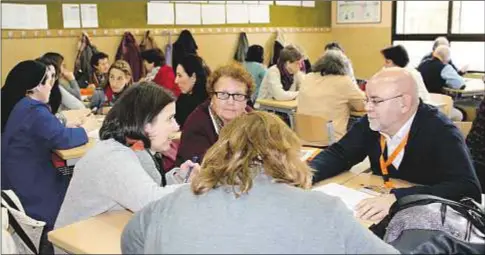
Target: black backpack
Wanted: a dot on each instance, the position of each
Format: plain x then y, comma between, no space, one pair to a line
425,224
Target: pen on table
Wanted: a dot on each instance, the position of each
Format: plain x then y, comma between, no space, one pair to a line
92,111
195,160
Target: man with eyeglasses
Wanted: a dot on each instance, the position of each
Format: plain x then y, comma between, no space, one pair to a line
406,139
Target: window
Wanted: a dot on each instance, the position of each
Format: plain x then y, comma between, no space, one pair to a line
417,23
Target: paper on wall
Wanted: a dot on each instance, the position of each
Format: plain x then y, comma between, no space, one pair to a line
160,13
71,15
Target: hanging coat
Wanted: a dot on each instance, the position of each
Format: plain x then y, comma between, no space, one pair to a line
83,70
242,48
185,45
279,44
129,51
169,50
148,43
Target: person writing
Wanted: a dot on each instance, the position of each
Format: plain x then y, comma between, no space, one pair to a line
406,139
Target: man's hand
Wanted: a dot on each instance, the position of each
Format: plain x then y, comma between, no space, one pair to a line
376,208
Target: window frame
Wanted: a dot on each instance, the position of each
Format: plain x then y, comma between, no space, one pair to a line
432,36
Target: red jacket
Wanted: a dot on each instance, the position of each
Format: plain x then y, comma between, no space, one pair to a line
166,78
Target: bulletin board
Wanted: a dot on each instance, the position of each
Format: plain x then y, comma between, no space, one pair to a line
357,12
133,14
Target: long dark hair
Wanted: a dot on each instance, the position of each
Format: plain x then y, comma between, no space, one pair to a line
138,106
255,54
25,76
193,64
55,97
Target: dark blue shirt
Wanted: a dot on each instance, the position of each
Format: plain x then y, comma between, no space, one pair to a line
31,134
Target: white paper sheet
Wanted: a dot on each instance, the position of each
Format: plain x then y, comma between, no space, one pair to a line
234,2
24,16
349,196
266,2
289,3
71,15
251,2
187,14
213,14
308,3
259,14
237,14
89,15
160,13
217,2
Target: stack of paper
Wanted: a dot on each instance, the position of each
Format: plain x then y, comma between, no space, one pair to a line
350,197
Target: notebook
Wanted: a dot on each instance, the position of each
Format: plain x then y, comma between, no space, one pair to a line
350,197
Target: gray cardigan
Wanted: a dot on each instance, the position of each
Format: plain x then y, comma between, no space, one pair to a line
111,177
272,218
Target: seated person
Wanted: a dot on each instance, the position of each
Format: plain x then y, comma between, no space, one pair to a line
251,196
348,64
441,40
120,78
254,65
476,142
229,88
329,92
158,71
100,64
60,99
191,77
411,140
123,171
30,134
283,80
438,73
397,56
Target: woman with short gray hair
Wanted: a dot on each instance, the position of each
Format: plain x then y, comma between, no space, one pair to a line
328,92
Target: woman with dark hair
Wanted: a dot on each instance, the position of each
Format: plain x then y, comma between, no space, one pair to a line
123,170
329,92
30,132
158,71
254,65
191,79
66,78
60,99
283,80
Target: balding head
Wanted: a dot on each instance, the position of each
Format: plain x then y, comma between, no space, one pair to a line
443,52
440,41
396,90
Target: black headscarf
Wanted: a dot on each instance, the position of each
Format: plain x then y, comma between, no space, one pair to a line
25,76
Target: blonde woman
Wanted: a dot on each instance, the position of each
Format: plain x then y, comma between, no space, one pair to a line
119,79
251,196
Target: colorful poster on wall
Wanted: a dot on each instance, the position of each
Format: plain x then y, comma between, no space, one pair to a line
358,12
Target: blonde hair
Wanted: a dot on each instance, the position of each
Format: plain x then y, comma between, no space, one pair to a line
251,140
124,67
234,71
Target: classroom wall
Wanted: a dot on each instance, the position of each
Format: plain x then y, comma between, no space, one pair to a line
217,49
363,42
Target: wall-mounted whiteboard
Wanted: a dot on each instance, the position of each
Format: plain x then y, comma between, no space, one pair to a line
358,12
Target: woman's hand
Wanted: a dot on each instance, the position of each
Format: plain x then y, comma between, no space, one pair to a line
189,168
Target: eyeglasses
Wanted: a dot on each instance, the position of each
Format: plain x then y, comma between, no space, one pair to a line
375,101
225,96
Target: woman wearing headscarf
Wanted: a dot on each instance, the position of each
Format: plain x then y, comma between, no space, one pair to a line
30,132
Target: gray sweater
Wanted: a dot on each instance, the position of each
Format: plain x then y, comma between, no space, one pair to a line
111,177
272,218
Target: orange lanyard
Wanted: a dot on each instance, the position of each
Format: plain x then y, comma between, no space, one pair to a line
384,164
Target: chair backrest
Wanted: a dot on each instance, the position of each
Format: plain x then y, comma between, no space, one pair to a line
442,99
314,130
464,126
